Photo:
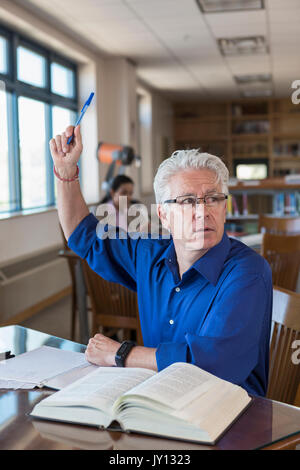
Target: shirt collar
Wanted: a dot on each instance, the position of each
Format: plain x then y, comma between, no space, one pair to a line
209,265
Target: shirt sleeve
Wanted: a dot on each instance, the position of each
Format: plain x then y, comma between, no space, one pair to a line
109,251
234,334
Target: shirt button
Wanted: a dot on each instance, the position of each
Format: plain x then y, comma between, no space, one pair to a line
177,289
171,322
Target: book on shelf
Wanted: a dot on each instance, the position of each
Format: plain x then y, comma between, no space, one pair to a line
287,203
180,402
235,206
279,204
245,204
229,205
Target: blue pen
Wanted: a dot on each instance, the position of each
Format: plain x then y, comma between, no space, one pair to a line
84,108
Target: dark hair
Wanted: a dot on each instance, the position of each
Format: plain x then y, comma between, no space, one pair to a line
115,184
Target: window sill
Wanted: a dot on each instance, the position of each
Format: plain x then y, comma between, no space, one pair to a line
36,211
25,212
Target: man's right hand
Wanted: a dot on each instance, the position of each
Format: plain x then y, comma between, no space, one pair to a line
65,157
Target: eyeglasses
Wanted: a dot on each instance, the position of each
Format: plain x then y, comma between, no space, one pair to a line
210,200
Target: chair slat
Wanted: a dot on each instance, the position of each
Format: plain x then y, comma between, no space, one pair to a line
113,305
284,375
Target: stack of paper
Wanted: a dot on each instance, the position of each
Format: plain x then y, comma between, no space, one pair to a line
44,366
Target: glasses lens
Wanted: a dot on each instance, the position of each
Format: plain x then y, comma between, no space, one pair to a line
186,200
214,199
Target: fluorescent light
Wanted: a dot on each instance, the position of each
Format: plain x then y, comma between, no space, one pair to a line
218,6
253,79
257,93
243,45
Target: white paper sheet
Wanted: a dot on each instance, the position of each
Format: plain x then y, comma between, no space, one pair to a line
35,367
15,385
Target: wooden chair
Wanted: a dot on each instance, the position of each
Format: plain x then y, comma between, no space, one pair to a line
279,225
71,265
113,306
283,254
284,372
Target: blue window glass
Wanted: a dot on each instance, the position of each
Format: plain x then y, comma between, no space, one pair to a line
31,67
3,55
4,168
62,79
32,152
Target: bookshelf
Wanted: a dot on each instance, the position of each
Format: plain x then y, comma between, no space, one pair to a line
248,130
270,196
251,130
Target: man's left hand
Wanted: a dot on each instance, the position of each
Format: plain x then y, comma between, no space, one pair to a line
102,350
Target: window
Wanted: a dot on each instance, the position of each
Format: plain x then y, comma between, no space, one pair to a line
3,55
4,173
38,100
62,80
32,134
31,67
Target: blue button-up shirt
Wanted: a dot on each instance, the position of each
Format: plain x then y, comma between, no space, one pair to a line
217,316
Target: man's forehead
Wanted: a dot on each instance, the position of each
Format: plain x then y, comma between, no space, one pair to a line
191,181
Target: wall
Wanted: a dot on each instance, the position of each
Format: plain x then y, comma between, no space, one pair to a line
112,118
161,138
117,119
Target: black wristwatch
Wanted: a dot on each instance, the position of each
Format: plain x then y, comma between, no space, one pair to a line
123,352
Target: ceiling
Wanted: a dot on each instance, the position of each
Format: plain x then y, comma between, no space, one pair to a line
174,44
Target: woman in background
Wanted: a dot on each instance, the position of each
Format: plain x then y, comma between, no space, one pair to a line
117,209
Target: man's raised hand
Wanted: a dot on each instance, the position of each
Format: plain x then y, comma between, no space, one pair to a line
65,157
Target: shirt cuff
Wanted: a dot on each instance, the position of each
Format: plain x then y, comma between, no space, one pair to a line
168,353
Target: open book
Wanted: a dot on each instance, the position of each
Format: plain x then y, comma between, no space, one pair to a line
88,438
181,402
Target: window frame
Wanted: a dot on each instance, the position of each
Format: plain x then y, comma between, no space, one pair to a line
16,88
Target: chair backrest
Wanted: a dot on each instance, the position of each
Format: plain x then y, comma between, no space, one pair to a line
283,254
112,304
284,371
279,225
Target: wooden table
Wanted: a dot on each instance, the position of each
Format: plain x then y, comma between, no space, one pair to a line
265,424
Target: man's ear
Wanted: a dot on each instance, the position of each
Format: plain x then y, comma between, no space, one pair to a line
163,216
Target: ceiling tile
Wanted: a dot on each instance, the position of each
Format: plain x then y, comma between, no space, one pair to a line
172,42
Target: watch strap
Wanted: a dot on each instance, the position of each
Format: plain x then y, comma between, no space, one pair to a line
123,352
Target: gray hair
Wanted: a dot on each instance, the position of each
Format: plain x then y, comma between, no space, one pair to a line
184,160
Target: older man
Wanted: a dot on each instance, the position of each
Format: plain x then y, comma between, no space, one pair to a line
203,298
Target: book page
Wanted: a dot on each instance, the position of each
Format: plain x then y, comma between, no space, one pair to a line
100,388
176,385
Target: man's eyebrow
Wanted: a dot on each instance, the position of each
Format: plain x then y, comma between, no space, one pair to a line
193,194
212,191
187,194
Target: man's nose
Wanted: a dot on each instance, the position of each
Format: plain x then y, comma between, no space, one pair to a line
200,210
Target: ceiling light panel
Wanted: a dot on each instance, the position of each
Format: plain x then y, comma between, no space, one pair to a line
257,93
242,45
217,6
253,79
